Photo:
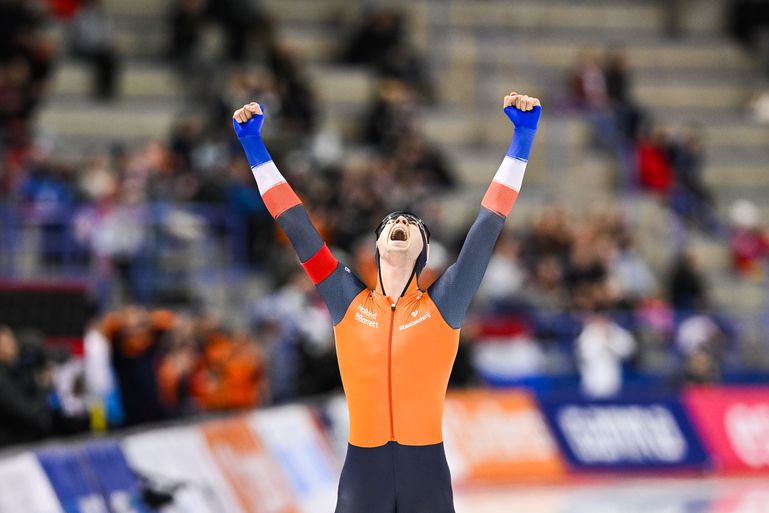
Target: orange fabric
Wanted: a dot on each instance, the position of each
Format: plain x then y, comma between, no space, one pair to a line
136,339
162,319
395,368
231,374
280,198
111,324
499,198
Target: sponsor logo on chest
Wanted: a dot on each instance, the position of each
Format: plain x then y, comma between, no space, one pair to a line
366,317
415,319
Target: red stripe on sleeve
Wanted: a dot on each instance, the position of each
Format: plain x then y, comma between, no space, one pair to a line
499,198
320,265
280,198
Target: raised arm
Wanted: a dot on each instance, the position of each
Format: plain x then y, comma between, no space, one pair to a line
455,288
335,282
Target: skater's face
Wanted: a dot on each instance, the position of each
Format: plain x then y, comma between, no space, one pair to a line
400,238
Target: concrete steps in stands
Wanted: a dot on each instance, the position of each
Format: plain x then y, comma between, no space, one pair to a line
105,122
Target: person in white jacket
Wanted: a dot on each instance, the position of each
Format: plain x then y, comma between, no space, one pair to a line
602,346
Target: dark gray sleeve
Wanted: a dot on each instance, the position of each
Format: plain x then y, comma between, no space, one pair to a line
453,291
338,291
341,286
299,229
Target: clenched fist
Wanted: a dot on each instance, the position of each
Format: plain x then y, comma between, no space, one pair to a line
248,120
524,111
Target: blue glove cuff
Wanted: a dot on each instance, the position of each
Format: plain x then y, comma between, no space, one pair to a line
520,147
256,152
249,134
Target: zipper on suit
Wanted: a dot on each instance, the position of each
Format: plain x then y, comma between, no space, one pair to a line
390,370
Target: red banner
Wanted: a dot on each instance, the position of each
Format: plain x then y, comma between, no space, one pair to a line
734,424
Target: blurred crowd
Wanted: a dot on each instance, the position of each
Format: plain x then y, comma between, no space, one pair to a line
577,294
562,295
651,157
139,366
660,161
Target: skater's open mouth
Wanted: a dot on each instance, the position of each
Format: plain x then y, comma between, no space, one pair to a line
399,233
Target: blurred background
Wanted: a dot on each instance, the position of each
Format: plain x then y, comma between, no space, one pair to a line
146,295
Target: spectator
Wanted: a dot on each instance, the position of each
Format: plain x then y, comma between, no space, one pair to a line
391,117
114,229
242,24
545,290
504,276
588,82
187,19
700,341
422,165
93,41
691,197
701,369
231,373
628,116
292,326
699,333
24,412
64,9
381,42
749,243
176,365
629,272
50,197
586,272
381,32
655,172
296,96
135,336
102,391
617,77
687,285
601,348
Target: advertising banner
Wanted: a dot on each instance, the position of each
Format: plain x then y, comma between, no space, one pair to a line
293,436
178,459
338,429
72,481
498,436
258,481
734,424
747,498
117,481
24,487
634,435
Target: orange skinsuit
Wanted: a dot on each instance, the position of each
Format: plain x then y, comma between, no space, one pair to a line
396,381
